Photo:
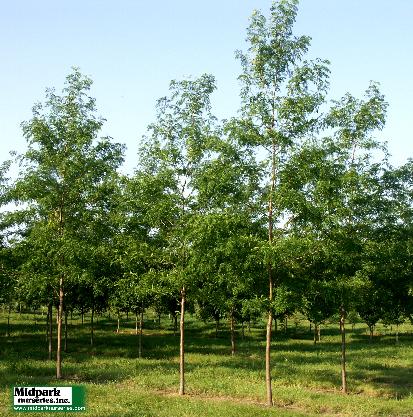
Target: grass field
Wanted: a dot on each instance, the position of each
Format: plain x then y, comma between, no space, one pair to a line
306,377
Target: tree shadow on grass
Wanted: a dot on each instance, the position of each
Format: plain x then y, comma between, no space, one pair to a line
19,354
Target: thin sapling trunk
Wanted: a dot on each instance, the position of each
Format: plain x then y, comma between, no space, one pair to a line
59,332
140,333
50,318
343,350
181,345
232,329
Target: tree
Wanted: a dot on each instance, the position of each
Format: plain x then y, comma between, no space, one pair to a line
172,156
281,93
337,197
63,181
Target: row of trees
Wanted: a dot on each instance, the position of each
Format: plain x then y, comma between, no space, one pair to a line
289,206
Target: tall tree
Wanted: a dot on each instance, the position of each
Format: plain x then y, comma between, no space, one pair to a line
172,155
281,93
63,180
337,196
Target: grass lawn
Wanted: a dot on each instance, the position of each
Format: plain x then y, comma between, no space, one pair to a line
306,377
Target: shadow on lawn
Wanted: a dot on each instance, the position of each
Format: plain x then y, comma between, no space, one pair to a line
27,345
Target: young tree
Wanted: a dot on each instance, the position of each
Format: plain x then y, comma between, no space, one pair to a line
171,159
63,180
338,196
281,93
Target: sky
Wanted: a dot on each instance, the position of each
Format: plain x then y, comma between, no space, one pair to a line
133,48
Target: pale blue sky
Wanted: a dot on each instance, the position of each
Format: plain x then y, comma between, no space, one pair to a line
133,48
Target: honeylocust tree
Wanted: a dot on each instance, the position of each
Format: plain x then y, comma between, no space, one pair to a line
172,154
62,181
337,198
281,94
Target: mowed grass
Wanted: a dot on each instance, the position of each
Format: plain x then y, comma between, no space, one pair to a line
306,377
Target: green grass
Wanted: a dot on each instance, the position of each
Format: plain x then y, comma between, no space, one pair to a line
306,377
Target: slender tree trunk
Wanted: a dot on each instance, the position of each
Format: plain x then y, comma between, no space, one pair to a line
92,338
242,330
371,333
175,323
343,350
181,345
268,359
59,332
65,348
136,322
270,275
8,321
50,314
140,333
231,321
319,333
118,328
47,326
315,332
82,314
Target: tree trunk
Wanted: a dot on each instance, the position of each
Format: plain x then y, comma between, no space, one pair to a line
319,333
47,326
371,333
268,359
59,332
232,332
82,314
140,333
315,332
270,275
92,339
285,324
175,317
50,315
343,350
181,345
118,328
8,322
242,330
65,348
136,322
